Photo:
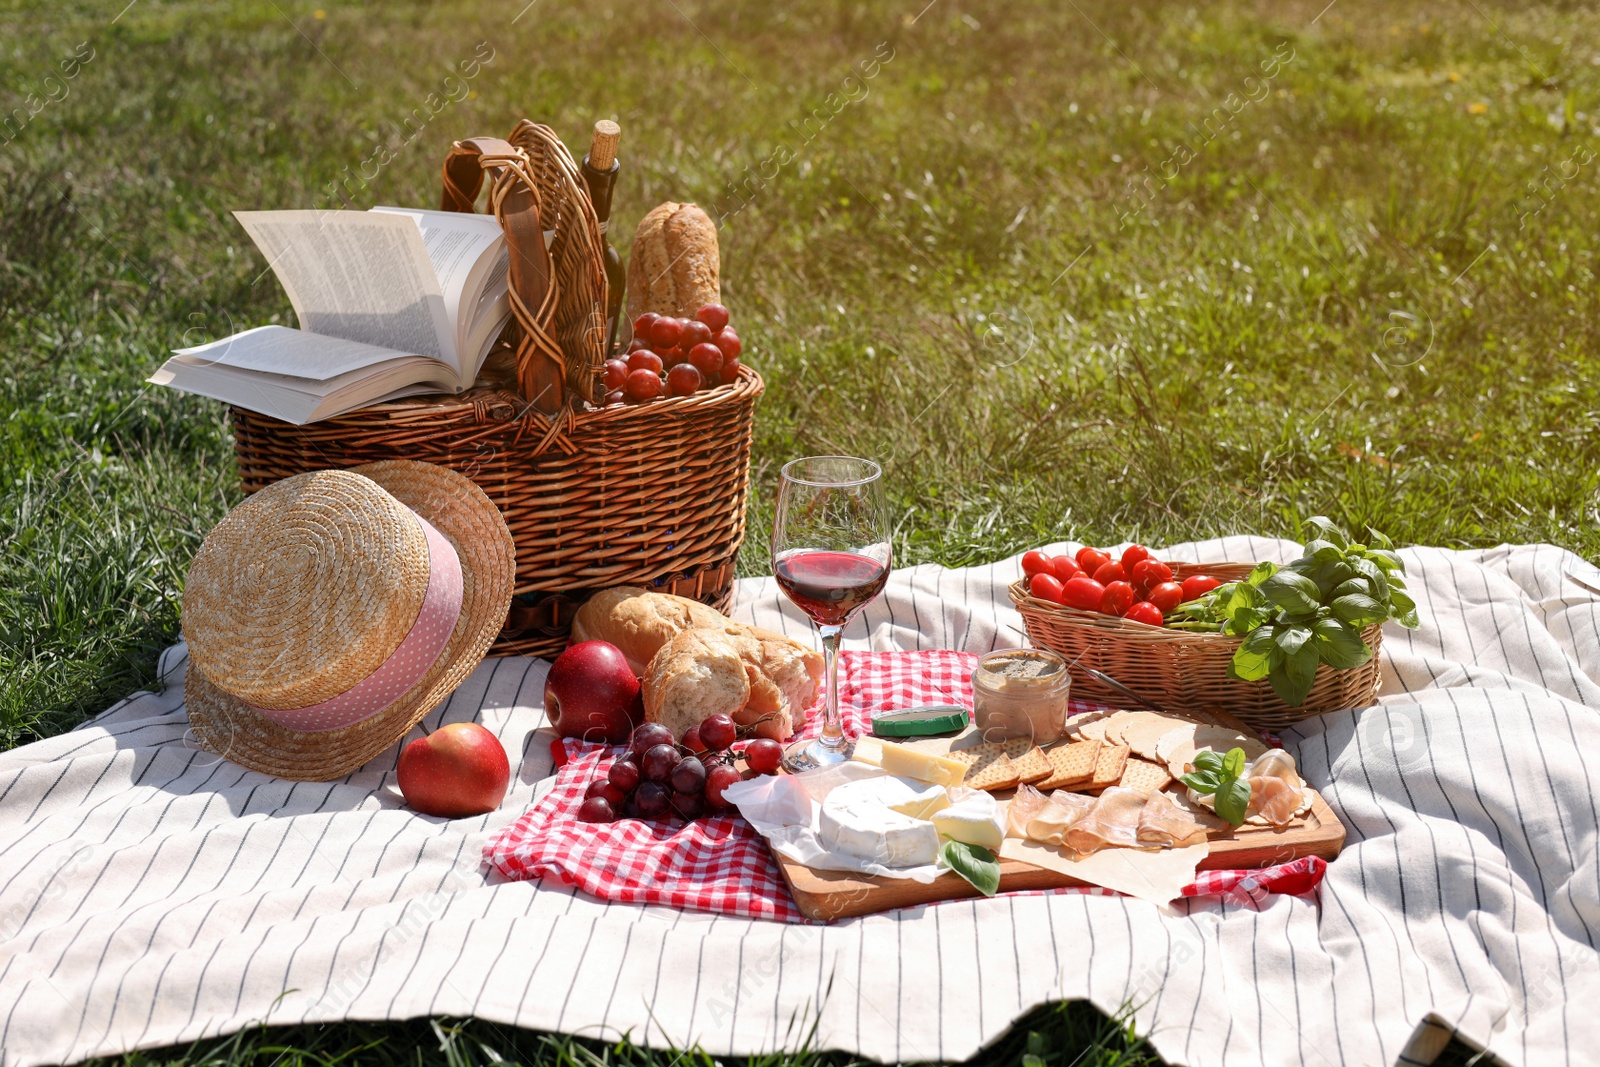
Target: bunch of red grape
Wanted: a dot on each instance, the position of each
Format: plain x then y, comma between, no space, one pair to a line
674,356
657,779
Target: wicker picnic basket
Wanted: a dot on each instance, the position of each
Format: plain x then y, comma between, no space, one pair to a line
1185,670
652,494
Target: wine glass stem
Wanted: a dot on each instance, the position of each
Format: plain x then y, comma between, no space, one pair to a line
832,726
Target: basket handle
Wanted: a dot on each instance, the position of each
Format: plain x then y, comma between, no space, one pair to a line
514,201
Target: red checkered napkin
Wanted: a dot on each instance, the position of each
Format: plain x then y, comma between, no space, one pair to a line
720,864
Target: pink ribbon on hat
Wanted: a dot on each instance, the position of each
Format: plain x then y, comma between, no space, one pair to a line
406,665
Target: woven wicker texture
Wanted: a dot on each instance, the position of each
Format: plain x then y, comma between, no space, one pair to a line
651,495
226,725
327,567
1185,670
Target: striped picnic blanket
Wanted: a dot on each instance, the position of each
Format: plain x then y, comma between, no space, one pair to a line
152,894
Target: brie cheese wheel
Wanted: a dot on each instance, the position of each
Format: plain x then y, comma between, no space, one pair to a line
974,820
859,819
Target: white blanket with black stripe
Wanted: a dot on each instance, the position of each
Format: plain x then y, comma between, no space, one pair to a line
152,894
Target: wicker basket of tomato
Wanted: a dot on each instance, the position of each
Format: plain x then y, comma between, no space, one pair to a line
1273,645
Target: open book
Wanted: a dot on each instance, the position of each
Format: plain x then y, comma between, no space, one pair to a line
391,302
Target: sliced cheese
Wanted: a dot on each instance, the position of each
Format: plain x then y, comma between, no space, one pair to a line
974,820
910,762
859,819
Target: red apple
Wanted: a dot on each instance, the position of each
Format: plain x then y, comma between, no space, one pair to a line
456,771
592,693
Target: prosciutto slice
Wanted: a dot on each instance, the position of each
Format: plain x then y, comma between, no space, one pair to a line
1113,822
1058,813
1164,822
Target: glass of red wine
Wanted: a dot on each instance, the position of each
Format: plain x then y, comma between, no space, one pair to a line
830,554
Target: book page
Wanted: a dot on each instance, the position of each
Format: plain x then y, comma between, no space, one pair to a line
296,353
467,252
358,275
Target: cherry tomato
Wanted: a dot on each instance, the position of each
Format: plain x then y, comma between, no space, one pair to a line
1152,572
1083,593
1064,569
1198,585
1134,555
1091,559
1035,562
1045,587
1118,598
1110,572
1144,612
1166,596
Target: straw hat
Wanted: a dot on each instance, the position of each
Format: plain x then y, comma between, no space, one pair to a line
331,611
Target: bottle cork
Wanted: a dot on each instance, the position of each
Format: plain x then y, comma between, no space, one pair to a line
603,149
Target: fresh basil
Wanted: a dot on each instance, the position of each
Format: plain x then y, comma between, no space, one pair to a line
974,863
1222,776
1307,612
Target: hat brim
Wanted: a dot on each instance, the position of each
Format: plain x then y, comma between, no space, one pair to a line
461,511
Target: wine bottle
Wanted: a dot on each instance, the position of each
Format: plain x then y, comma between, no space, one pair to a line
600,168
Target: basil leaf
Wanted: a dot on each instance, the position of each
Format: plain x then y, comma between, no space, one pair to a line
1340,644
1403,609
1374,574
1202,782
1293,592
1260,573
1358,609
1208,760
1327,530
1293,682
976,864
1233,801
1233,763
1290,638
1323,551
1386,559
1354,585
1254,658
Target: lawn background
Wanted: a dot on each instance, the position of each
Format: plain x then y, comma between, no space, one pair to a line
1040,262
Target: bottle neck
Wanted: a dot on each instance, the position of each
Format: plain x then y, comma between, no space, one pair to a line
600,183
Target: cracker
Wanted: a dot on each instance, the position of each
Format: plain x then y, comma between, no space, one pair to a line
1108,765
1144,776
1071,764
1028,759
988,767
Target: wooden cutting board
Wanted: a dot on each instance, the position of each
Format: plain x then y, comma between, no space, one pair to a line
843,894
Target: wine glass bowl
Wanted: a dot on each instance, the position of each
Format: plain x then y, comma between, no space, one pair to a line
830,556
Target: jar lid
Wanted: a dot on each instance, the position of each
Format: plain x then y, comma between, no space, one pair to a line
1023,668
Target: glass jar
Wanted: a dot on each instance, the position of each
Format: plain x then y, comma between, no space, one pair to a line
1021,692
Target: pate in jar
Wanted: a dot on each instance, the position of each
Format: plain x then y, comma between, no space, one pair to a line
1020,692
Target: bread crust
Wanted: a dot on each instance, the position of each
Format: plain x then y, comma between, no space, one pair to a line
674,265
639,621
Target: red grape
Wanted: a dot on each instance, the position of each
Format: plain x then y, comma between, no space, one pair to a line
714,316
657,763
602,788
616,373
691,741
642,324
730,369
689,806
706,358
718,732
689,776
728,341
644,359
643,384
648,735
652,800
763,755
624,774
615,397
684,379
695,332
719,778
597,809
637,343
664,333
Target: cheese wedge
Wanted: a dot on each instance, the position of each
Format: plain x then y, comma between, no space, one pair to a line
929,799
973,820
910,762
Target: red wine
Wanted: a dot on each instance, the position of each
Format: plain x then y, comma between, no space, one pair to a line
830,586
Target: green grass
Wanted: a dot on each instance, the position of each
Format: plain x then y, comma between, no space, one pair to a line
1343,303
